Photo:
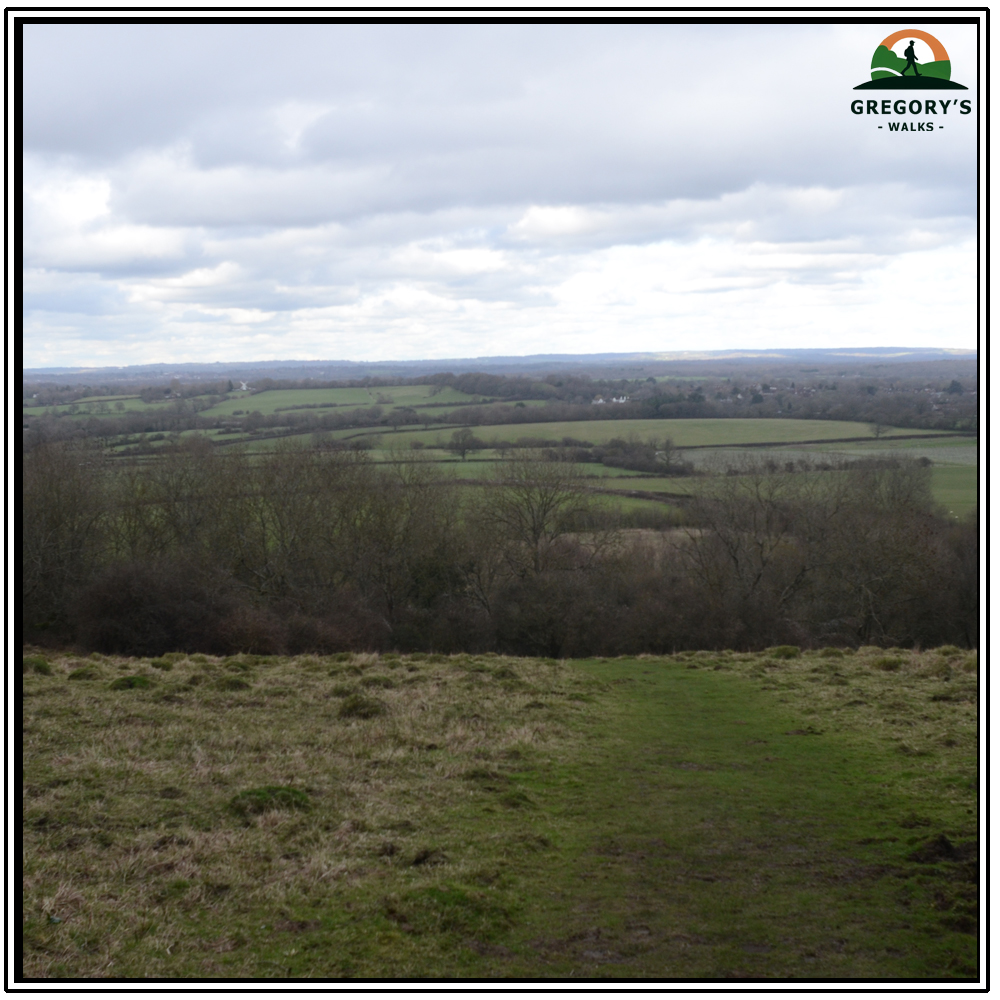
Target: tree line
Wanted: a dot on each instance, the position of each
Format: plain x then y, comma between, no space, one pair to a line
912,403
304,550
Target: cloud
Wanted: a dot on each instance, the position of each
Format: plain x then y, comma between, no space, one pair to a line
433,190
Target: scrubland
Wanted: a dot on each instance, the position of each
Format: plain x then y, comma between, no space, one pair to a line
306,551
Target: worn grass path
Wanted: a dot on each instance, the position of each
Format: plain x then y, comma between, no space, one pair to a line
708,816
715,833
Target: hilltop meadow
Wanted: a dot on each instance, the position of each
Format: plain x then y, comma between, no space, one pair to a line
729,816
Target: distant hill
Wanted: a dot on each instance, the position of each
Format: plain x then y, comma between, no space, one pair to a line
855,359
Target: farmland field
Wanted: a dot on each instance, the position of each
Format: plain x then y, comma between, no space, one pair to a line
960,449
702,816
102,406
397,395
956,488
954,476
952,487
684,433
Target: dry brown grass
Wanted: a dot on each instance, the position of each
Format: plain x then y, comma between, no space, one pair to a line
136,865
130,845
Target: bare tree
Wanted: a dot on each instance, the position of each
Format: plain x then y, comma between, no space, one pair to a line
63,525
463,441
532,504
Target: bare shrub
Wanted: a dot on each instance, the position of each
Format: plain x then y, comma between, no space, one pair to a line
147,609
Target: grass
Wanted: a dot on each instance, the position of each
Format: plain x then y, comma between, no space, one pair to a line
960,450
956,488
685,433
89,407
686,485
689,434
954,480
385,396
953,487
702,816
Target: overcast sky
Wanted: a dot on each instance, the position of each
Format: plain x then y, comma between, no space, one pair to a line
368,192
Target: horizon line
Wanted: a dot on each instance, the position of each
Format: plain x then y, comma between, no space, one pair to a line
845,351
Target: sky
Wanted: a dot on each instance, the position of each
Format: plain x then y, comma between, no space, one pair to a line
198,193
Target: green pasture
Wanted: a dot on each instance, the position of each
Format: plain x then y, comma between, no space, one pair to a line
503,404
956,488
943,450
953,484
387,397
687,434
686,485
106,399
268,402
32,404
684,433
961,450
627,505
776,816
410,395
953,479
100,406
483,464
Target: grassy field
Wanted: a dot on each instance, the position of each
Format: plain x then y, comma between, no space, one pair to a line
953,480
962,450
685,433
943,450
956,488
703,816
689,434
128,398
952,486
397,395
954,476
102,406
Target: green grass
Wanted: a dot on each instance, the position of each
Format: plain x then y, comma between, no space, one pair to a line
953,487
686,485
386,397
702,816
268,402
962,449
105,399
691,434
954,480
945,450
29,405
685,433
956,487
89,408
628,505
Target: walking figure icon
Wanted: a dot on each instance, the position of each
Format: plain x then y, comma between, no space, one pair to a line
911,60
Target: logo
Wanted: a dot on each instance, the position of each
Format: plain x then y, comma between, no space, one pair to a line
910,60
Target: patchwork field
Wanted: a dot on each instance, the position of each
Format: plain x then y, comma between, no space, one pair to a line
954,477
684,433
707,816
397,395
102,406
